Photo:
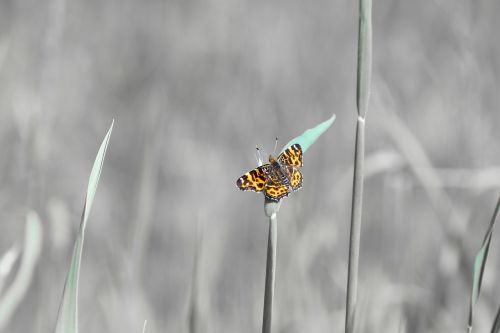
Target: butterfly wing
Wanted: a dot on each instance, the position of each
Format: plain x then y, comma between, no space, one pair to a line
292,156
254,180
275,191
295,177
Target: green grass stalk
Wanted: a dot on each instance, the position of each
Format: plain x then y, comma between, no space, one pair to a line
355,233
271,210
362,98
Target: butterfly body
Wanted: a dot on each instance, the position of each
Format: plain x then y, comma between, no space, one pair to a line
278,178
278,173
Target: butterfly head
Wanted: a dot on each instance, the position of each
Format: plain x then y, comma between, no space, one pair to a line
272,160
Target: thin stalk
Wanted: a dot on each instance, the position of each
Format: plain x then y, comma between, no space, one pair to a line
272,242
356,211
364,74
362,98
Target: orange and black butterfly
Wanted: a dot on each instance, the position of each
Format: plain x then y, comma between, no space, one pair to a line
277,178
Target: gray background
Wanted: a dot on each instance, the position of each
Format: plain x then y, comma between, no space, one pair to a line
193,87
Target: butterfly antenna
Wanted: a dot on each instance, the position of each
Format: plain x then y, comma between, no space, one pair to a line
257,156
275,145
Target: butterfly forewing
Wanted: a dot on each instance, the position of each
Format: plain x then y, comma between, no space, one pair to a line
254,180
291,156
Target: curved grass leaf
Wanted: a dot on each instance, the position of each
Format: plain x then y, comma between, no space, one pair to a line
67,319
479,265
306,139
31,252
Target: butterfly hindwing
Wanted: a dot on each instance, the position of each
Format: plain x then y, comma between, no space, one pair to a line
291,156
295,177
254,180
276,192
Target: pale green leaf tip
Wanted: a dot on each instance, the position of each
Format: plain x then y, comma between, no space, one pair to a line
95,173
306,139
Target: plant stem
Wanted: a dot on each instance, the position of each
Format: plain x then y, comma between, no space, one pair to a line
270,273
364,74
356,210
362,98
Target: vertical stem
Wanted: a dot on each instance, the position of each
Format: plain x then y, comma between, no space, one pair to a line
270,273
354,242
362,98
364,74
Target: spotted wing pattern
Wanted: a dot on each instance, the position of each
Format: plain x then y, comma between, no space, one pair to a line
276,192
295,178
254,180
291,156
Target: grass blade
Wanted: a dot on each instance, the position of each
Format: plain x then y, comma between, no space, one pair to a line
479,265
31,252
306,139
67,319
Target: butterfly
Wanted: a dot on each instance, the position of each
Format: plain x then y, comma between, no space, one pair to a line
277,178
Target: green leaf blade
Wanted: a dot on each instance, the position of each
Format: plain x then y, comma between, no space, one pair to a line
67,319
95,174
306,139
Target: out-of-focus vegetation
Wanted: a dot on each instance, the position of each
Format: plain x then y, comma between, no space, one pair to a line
193,87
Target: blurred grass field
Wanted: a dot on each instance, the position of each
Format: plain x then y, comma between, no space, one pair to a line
193,87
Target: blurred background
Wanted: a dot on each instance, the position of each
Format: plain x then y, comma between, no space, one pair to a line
193,87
